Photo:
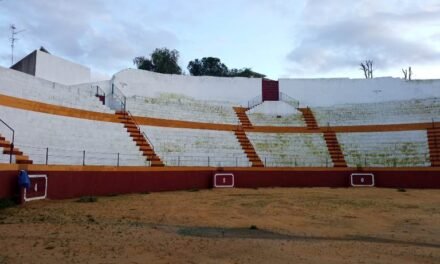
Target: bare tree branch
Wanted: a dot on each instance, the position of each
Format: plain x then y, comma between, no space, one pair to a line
405,74
367,68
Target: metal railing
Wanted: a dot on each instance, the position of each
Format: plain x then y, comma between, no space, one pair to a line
60,156
13,139
286,98
392,160
98,91
116,93
129,116
204,160
255,101
283,160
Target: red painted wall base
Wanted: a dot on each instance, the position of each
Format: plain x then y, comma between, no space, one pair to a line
70,184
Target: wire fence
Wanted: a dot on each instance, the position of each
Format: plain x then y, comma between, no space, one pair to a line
60,156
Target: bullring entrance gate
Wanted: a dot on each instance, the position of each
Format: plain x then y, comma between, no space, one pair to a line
270,90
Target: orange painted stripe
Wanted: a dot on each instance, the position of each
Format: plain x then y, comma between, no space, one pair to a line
30,105
35,106
150,121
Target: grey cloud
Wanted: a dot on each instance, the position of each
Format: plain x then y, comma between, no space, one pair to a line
344,43
84,31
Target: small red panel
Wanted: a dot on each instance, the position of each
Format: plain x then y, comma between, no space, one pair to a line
362,179
224,180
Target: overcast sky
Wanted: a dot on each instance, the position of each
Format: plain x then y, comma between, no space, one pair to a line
280,38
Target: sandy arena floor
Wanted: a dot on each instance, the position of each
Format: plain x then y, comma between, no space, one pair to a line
313,225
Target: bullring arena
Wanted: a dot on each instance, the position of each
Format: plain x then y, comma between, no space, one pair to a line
153,168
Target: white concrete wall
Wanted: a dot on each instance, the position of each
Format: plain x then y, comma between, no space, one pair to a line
59,70
144,83
327,92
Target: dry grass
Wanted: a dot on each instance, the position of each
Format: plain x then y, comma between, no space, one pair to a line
309,225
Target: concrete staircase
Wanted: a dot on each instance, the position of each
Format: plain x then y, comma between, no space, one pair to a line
242,116
309,118
434,146
142,142
248,148
334,149
245,143
333,146
20,158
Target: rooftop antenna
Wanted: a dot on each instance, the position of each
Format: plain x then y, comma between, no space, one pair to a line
13,39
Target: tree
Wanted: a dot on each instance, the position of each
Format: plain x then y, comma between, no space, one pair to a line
245,72
162,60
195,67
208,66
367,68
211,66
143,63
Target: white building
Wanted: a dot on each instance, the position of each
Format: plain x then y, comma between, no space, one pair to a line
42,64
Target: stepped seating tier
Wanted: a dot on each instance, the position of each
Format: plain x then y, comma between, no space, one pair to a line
64,139
275,113
395,112
182,108
196,147
261,119
291,150
385,149
18,84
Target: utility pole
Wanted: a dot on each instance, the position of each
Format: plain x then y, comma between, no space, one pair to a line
13,39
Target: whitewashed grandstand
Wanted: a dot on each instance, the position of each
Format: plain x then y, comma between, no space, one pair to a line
214,134
17,84
291,150
262,119
196,147
56,139
385,149
392,112
177,107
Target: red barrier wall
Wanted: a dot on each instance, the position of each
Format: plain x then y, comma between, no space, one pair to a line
70,184
407,179
8,184
254,179
75,184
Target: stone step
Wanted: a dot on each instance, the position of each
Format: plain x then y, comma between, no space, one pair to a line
15,151
133,130
5,144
